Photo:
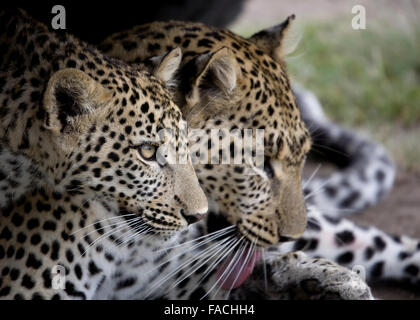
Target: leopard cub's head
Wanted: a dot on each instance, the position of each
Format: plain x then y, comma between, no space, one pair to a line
103,136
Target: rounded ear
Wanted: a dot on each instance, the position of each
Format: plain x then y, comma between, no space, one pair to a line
164,67
211,74
71,94
272,40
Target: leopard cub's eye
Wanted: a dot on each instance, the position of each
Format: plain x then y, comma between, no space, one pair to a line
147,151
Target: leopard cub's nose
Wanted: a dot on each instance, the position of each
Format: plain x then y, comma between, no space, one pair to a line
194,217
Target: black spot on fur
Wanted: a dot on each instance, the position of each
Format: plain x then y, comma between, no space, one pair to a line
377,269
379,243
369,252
198,294
33,262
344,238
46,276
55,250
412,270
27,282
332,220
345,258
350,200
313,224
128,282
93,268
71,291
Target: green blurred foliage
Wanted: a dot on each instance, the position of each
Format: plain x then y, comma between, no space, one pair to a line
362,77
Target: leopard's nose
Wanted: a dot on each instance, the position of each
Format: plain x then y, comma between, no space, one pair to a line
193,217
288,238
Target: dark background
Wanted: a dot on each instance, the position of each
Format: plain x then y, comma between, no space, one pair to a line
92,21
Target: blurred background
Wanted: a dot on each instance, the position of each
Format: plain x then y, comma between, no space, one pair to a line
368,80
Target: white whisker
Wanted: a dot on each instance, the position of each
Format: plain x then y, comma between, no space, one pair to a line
265,270
232,244
199,238
105,235
244,263
214,251
201,243
103,220
231,267
319,189
224,272
312,176
180,267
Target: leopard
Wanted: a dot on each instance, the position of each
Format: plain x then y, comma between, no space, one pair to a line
317,270
17,167
228,82
86,127
212,94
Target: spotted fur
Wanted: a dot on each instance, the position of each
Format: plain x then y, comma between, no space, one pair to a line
123,284
364,166
365,174
83,119
230,82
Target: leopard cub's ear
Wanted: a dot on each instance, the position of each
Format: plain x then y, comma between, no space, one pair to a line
71,96
165,66
210,75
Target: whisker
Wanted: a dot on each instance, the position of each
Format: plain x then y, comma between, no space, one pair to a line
317,145
220,246
312,176
334,210
104,227
231,268
179,267
201,243
265,270
233,243
224,272
319,189
138,229
250,252
104,236
196,239
103,220
252,249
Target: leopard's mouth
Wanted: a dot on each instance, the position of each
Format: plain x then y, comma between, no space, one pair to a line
148,225
235,270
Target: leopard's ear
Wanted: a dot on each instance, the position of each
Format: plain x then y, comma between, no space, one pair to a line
211,74
272,40
165,66
71,95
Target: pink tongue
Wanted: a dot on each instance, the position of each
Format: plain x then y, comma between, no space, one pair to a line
238,270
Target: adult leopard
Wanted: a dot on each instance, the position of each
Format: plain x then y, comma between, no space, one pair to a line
218,89
227,81
89,124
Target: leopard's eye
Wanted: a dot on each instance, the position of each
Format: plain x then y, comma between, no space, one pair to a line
147,151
